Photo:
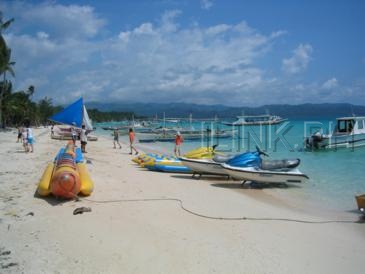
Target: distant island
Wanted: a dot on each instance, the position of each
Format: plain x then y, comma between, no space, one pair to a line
183,110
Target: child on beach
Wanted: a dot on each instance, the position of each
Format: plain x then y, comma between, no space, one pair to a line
116,138
178,141
131,141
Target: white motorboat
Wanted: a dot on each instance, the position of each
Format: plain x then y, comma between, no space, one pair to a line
252,120
348,133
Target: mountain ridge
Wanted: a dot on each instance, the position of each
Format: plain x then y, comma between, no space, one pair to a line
183,110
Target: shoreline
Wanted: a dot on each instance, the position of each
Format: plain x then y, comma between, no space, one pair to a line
158,236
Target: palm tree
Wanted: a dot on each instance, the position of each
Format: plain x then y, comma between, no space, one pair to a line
30,91
5,63
5,52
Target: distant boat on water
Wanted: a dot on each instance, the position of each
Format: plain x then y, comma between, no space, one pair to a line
252,120
349,132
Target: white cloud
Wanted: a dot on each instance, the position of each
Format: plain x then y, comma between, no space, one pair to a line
63,21
168,20
163,61
330,84
278,33
155,62
299,61
42,35
206,4
145,28
217,29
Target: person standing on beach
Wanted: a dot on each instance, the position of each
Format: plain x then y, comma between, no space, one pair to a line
83,139
116,138
131,141
30,139
178,141
19,135
25,139
73,133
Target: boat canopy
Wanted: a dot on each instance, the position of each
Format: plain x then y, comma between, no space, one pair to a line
74,115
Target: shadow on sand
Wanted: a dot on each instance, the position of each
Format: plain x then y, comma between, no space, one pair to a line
254,185
360,214
202,178
52,200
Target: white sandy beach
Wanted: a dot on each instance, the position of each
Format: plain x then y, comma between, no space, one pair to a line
43,236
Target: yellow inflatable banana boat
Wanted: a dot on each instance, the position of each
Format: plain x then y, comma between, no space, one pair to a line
67,176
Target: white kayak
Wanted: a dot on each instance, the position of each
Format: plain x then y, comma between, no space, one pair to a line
203,166
255,174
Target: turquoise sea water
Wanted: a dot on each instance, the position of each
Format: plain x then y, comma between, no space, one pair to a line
335,176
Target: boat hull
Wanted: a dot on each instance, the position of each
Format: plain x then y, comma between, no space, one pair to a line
203,166
337,142
265,123
68,137
360,200
265,176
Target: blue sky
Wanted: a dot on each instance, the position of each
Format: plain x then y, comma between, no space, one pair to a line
238,53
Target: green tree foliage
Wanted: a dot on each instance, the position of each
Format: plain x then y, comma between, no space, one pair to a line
5,63
17,108
45,109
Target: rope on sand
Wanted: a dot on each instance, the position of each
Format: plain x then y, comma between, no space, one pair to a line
223,218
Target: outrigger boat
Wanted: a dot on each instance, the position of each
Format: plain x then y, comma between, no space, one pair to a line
73,115
254,120
348,133
250,167
170,137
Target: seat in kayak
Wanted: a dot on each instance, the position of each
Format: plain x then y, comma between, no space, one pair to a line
222,158
280,164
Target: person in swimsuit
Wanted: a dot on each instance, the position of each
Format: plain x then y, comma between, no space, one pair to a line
131,141
178,141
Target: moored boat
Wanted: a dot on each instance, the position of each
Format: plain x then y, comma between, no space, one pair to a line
252,120
360,200
349,132
74,115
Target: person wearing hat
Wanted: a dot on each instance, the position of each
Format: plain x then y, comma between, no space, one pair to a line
178,141
73,133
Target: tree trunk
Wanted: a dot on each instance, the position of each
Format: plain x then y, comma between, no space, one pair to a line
2,125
